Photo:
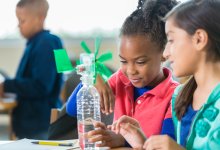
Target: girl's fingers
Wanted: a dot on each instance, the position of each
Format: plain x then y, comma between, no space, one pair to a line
156,142
113,126
98,124
123,119
96,138
109,127
129,128
96,133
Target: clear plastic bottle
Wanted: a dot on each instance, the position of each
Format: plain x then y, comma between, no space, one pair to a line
88,101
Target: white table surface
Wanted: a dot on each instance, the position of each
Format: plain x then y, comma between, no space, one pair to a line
5,142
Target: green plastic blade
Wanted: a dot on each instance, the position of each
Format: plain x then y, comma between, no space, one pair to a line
97,46
62,61
104,72
77,62
105,57
85,47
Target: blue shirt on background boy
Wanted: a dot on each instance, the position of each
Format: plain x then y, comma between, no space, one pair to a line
36,84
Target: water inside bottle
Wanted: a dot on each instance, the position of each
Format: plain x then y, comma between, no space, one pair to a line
83,128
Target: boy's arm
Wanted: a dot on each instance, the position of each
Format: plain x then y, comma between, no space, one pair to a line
71,105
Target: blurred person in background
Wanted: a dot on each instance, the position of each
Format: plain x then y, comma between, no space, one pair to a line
36,84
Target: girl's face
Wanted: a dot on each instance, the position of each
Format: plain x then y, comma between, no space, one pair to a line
140,60
180,50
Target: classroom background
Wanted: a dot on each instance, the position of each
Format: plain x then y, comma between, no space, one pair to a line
72,20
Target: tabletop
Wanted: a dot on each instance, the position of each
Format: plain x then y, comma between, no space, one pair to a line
120,148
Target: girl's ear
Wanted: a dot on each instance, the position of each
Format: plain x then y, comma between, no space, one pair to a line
200,39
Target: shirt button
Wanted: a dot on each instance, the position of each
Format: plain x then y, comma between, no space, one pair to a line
139,101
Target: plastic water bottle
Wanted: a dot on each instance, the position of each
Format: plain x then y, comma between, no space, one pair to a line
88,101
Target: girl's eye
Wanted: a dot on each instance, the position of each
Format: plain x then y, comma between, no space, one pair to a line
170,41
123,61
21,21
141,62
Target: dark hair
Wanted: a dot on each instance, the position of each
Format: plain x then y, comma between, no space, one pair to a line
39,6
147,20
191,16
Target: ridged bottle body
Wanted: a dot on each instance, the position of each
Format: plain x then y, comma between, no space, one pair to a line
88,109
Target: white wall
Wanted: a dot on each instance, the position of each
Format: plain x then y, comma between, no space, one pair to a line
11,52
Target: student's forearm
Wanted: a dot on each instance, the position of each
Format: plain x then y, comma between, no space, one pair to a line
26,88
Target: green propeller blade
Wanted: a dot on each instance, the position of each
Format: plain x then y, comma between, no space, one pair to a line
105,57
97,46
104,72
62,61
77,62
85,47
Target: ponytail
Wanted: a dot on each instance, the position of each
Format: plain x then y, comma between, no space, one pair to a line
185,97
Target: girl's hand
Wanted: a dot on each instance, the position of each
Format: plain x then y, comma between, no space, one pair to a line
129,128
107,137
161,142
124,119
133,135
107,98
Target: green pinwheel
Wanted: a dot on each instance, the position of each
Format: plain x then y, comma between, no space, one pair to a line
63,62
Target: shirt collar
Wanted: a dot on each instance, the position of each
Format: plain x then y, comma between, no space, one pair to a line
35,36
160,89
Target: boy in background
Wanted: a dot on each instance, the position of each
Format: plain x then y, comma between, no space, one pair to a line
36,84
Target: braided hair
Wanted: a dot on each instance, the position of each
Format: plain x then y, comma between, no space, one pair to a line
147,20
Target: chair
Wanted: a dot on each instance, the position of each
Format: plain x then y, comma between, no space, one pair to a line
54,115
73,79
7,105
62,126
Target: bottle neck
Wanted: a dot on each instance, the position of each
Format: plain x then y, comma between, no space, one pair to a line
87,80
